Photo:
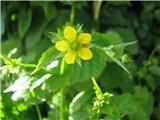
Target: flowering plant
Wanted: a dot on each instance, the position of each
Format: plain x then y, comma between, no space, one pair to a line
74,44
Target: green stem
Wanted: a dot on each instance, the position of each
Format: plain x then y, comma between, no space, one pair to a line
61,92
27,65
33,66
62,67
152,53
72,14
37,107
96,7
38,112
61,105
96,85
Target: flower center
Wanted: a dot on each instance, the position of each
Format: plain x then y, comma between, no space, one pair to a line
74,46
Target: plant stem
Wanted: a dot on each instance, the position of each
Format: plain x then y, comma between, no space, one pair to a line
72,14
38,112
61,92
96,85
61,105
96,7
37,107
27,65
62,67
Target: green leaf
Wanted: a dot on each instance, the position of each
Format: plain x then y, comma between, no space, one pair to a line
22,106
89,68
48,7
53,115
79,116
157,14
127,36
116,19
40,81
110,38
144,102
128,104
46,57
50,11
155,70
117,61
20,84
8,44
78,101
74,74
123,82
25,18
157,111
35,32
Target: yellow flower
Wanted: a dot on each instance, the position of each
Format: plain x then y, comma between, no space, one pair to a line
85,38
70,57
62,45
75,45
70,33
85,53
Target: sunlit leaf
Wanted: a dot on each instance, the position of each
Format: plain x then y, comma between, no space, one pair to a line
46,57
19,85
40,81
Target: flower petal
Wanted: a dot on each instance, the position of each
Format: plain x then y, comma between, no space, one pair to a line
70,33
85,53
85,38
62,45
70,57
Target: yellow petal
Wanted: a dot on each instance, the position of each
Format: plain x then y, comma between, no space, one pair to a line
62,45
70,33
70,57
85,38
85,53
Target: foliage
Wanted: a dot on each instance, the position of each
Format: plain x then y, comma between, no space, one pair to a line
120,81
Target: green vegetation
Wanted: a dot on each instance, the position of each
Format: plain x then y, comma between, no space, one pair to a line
115,76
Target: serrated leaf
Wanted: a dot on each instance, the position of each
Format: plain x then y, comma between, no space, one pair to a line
110,38
128,36
25,18
46,57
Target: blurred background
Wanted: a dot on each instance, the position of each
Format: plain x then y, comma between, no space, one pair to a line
25,26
